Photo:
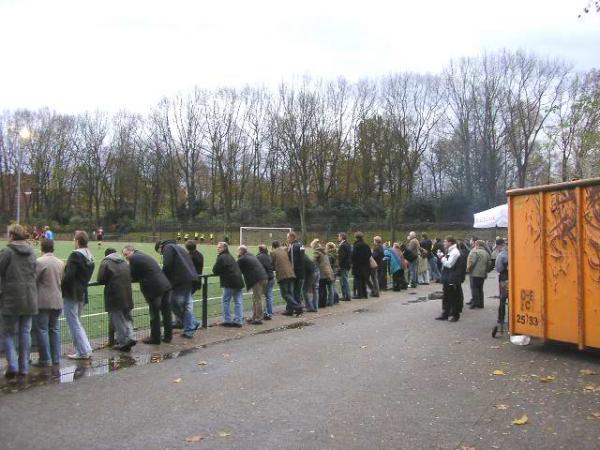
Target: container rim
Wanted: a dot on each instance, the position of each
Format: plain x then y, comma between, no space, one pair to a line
554,187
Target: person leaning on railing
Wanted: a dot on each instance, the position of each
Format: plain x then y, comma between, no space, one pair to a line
155,288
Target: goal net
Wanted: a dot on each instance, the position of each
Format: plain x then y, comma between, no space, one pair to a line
254,236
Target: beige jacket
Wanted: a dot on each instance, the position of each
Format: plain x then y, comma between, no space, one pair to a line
281,264
322,261
49,271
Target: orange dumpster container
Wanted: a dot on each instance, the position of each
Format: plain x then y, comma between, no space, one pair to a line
554,258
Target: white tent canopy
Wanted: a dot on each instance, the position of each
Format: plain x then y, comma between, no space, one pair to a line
492,218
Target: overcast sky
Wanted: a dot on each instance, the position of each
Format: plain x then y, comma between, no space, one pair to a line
111,54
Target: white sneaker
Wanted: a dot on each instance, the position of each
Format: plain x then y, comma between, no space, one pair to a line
78,357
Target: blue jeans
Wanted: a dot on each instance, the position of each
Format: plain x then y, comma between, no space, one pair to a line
47,333
345,285
13,326
286,289
269,297
183,298
433,269
73,312
310,291
413,270
332,300
236,295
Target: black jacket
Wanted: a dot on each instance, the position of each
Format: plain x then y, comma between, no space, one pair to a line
345,256
228,270
78,272
198,262
295,252
361,255
427,245
145,270
18,288
309,266
178,266
378,255
252,269
114,273
267,262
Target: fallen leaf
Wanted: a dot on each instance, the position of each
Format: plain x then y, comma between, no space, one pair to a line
193,439
495,347
498,372
595,415
226,355
224,434
202,363
548,379
521,420
467,448
363,346
177,380
587,372
502,407
591,388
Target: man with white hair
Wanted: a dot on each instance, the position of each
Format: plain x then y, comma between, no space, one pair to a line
232,283
255,277
414,246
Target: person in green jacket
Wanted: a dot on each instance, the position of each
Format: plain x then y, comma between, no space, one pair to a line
18,300
478,263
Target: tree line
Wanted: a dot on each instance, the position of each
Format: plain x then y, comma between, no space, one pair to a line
402,147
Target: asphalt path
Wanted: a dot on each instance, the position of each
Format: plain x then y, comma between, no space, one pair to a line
386,377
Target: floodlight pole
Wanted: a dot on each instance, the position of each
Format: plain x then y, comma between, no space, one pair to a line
18,181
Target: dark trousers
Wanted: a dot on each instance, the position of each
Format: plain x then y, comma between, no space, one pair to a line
160,306
451,300
382,278
298,294
397,280
324,293
360,283
477,290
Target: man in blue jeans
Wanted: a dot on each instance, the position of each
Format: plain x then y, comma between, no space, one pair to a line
78,271
232,283
18,300
345,263
181,273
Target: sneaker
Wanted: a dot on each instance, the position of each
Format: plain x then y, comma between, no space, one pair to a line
127,346
442,317
235,325
453,319
225,324
9,375
267,317
79,357
150,341
187,336
254,322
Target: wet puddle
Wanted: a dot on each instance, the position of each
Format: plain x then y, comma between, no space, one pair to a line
291,326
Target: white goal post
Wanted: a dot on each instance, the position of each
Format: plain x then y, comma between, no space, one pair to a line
254,236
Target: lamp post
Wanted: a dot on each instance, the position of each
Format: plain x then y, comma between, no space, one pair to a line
24,134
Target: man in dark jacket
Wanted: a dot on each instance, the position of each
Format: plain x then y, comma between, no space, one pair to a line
295,252
78,272
452,279
345,263
155,288
266,261
115,275
427,245
378,256
361,264
198,261
18,300
180,270
255,278
232,283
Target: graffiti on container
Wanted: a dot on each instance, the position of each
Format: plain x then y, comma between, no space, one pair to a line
591,218
561,234
533,217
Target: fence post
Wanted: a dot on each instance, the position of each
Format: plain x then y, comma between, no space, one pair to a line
205,303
